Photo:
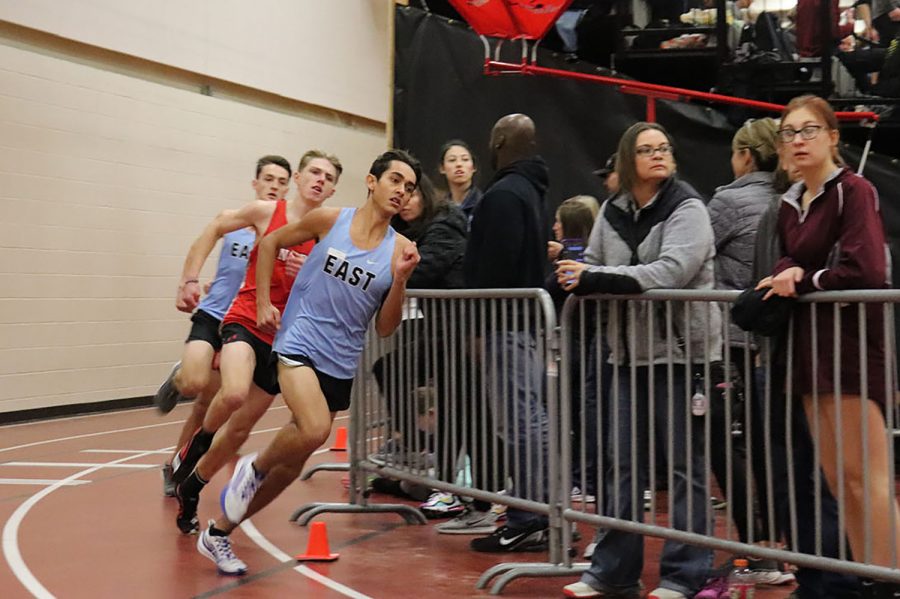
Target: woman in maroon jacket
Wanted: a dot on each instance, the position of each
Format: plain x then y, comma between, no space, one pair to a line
832,238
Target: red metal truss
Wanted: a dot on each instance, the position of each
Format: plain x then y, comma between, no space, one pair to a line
529,20
652,91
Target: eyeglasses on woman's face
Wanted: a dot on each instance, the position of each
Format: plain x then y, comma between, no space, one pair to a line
806,132
648,151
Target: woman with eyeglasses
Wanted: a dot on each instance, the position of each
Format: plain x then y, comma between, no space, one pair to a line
654,234
832,238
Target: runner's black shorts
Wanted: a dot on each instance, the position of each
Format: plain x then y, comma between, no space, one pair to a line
335,390
205,328
265,375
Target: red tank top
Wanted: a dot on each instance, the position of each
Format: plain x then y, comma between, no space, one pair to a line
243,309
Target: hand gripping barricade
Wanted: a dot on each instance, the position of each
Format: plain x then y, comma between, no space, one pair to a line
462,399
665,404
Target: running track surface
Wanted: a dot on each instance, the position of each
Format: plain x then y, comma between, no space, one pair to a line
84,516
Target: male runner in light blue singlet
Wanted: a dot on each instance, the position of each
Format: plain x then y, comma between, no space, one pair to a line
194,376
359,267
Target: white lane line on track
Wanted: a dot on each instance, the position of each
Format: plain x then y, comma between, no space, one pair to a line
110,413
41,481
88,435
264,543
75,465
10,541
11,531
78,417
118,430
165,451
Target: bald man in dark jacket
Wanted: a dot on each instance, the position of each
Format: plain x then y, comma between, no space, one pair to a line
506,249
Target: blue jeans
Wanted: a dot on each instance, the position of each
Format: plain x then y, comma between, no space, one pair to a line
516,391
618,559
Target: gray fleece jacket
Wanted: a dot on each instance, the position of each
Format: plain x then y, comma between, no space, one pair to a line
735,211
674,250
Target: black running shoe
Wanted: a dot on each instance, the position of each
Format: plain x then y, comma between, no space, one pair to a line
167,396
508,539
187,457
186,520
168,483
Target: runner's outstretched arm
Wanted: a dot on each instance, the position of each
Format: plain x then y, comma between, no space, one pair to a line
405,262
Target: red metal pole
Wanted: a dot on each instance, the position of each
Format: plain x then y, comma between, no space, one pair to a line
651,109
493,67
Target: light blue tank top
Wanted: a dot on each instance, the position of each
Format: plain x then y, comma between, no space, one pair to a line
337,292
236,248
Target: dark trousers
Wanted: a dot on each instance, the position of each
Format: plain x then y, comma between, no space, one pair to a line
724,408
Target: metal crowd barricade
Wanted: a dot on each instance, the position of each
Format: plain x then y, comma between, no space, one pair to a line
647,404
463,398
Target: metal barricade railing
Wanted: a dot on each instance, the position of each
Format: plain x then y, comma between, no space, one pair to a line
475,395
659,391
463,398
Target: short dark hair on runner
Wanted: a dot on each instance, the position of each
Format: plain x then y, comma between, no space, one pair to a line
382,163
272,159
312,154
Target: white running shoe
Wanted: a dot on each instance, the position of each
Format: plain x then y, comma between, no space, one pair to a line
664,593
470,522
581,590
218,549
579,497
239,492
442,505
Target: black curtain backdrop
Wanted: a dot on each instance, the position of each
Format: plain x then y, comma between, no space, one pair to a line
441,93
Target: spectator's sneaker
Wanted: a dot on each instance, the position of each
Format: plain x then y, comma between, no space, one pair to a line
168,483
589,550
442,505
389,453
218,549
714,589
470,522
186,520
581,590
717,504
662,593
768,571
508,538
187,457
579,497
499,510
167,396
239,492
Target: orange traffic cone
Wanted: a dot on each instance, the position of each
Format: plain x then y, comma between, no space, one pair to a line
317,549
340,439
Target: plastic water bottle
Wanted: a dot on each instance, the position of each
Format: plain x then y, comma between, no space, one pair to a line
740,581
698,400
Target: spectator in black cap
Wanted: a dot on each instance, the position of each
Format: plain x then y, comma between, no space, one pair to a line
608,174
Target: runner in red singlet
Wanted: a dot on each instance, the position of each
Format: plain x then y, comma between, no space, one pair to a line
249,380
